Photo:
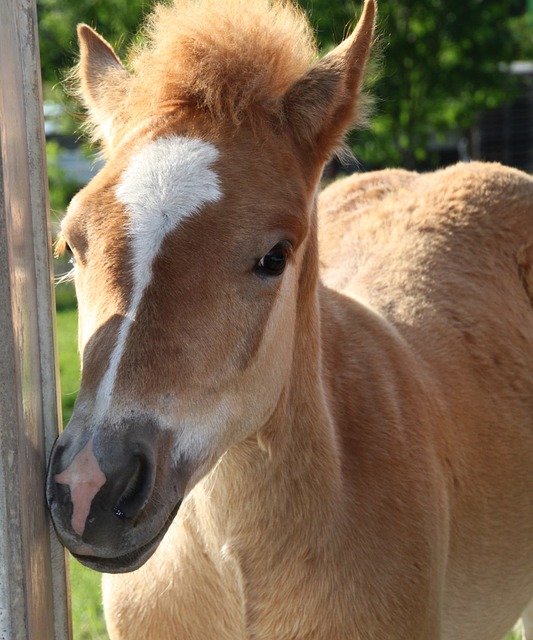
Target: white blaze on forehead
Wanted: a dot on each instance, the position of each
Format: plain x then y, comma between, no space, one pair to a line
166,182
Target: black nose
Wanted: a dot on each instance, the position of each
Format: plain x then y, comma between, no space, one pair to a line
98,490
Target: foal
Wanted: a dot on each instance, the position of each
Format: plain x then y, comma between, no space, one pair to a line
274,453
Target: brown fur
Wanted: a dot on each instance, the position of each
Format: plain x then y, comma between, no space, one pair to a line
388,493
233,59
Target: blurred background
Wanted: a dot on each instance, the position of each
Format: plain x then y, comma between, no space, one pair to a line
452,80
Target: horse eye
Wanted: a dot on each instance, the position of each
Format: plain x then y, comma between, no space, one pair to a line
273,263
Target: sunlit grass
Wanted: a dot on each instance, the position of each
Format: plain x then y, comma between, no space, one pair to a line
69,362
87,615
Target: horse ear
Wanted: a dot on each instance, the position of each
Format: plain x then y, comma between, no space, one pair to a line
103,81
326,101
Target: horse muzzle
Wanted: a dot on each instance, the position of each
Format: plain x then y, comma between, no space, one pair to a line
113,492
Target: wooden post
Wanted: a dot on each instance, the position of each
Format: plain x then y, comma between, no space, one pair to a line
34,600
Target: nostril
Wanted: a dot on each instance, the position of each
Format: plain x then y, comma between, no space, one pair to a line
137,491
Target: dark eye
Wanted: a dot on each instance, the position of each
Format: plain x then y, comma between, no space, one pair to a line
273,263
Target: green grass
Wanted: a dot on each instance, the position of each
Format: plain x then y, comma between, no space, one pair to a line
87,615
69,362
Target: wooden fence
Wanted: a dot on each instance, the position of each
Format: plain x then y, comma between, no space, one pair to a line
34,601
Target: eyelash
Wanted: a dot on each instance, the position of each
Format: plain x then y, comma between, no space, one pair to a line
69,275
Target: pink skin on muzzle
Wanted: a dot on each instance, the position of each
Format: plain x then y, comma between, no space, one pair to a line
84,478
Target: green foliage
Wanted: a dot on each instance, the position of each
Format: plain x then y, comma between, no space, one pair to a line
66,301
117,20
439,68
521,28
61,187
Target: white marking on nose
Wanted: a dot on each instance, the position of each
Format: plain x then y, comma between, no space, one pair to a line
85,479
166,182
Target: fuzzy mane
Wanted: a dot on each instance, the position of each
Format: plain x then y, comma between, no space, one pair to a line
233,58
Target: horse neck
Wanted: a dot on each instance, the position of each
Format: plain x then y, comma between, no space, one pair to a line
289,469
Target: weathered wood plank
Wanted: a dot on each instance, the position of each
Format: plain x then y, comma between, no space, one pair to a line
33,582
